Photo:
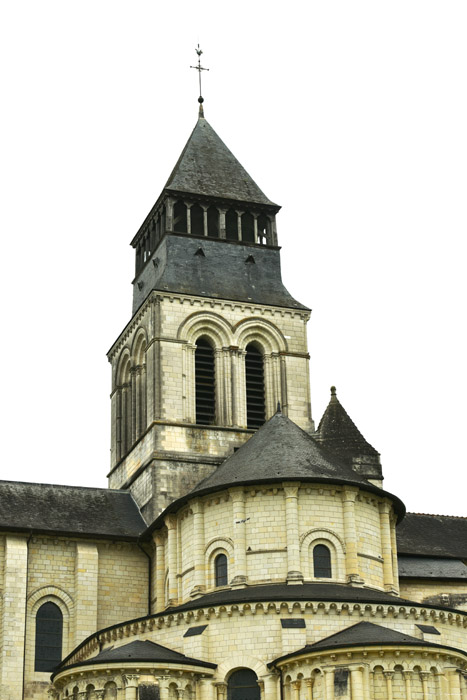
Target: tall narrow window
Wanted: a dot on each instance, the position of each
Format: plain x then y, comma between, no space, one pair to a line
243,685
180,217
322,561
197,220
213,222
205,383
231,225
254,372
49,631
220,570
248,228
263,229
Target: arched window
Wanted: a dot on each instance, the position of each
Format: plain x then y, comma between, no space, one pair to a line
322,561
220,570
213,222
204,383
243,685
263,229
254,373
49,632
231,225
248,228
197,220
180,217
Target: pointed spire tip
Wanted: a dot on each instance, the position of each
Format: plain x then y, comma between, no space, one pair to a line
333,394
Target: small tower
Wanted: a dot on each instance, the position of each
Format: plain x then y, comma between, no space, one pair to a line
215,340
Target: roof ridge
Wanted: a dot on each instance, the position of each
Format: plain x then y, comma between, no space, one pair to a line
438,515
105,489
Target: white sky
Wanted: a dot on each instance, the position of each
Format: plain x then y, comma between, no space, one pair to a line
351,115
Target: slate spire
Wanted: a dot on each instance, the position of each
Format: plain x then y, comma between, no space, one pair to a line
339,434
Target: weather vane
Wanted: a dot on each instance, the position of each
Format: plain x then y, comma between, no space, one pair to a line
199,68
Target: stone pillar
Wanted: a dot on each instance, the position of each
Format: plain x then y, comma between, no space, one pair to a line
171,525
13,611
222,233
188,216
309,682
395,564
164,687
389,676
454,681
366,683
408,684
130,683
239,528
218,386
351,556
424,675
283,384
356,683
270,687
159,541
133,404
143,399
169,214
138,401
296,690
86,581
294,574
199,577
385,525
204,689
270,404
329,683
221,689
255,227
205,221
239,225
227,386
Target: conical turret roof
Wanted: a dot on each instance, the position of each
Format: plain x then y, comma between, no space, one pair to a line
207,167
338,432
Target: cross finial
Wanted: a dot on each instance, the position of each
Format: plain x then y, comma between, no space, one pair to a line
200,68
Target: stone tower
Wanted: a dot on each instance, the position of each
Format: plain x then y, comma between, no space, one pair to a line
215,341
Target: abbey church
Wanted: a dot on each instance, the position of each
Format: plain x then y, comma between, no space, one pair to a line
241,551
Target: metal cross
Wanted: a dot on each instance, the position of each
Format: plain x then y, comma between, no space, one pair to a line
199,68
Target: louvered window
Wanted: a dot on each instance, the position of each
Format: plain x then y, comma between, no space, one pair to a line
205,383
49,630
322,561
254,371
243,685
220,567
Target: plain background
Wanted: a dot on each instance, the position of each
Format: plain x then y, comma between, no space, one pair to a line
351,115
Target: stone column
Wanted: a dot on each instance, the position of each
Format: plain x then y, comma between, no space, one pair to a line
239,528
269,387
227,386
239,225
144,411
388,578
218,386
356,683
171,525
159,541
138,400
424,675
169,214
351,556
294,574
205,221
395,564
389,676
199,578
270,687
255,227
204,688
296,690
366,683
309,682
222,223
133,404
408,684
130,683
221,689
329,683
283,385
188,216
454,680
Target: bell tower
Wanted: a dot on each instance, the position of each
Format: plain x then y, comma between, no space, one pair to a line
215,341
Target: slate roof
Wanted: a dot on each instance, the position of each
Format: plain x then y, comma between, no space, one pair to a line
432,535
70,510
207,167
361,634
338,432
139,651
223,270
431,567
281,451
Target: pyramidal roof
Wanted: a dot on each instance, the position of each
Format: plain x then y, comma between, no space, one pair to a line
280,450
207,167
338,432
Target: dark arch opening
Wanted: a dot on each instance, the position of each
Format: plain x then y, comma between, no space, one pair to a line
220,570
180,219
49,632
243,685
213,222
263,229
254,373
204,382
248,228
197,220
322,561
231,225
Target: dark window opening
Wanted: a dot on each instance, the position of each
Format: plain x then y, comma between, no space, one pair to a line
263,229
49,631
231,225
197,220
213,222
322,561
205,383
254,371
243,685
220,568
180,218
248,228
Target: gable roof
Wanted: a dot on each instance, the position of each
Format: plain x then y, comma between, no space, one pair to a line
70,510
206,166
432,535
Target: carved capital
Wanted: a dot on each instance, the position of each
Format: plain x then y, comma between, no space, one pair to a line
130,679
170,522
